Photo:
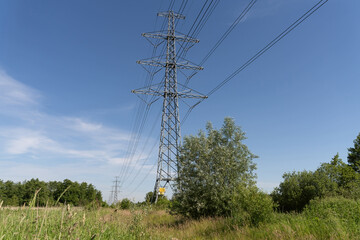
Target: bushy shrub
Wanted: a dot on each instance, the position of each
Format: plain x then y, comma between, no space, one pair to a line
125,204
341,213
251,206
339,207
162,202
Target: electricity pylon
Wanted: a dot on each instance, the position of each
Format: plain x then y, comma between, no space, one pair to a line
114,191
170,137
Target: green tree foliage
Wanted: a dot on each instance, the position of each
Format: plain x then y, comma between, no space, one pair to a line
125,204
149,197
330,179
10,193
211,168
298,188
354,155
29,188
346,179
17,194
162,202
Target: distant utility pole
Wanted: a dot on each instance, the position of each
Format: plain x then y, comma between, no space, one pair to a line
170,137
114,191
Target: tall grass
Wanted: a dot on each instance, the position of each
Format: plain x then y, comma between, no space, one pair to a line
322,219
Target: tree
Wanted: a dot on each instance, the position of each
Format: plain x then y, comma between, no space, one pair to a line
149,197
31,186
211,168
354,155
339,172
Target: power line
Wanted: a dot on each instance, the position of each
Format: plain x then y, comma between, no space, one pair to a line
136,142
206,17
143,149
224,36
300,20
192,26
181,10
271,44
195,29
150,170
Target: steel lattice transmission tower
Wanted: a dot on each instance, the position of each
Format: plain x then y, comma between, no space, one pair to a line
114,191
170,137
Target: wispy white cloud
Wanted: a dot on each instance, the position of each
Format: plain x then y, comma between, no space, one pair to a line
81,125
21,141
14,93
31,130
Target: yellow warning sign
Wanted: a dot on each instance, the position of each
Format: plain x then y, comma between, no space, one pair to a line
161,191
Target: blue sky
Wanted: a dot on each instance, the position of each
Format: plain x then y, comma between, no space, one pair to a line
67,68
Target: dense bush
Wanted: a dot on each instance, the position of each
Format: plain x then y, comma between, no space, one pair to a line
125,204
251,206
343,208
162,202
335,210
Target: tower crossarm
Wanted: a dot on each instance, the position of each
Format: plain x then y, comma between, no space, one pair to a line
190,93
150,90
171,14
181,65
186,65
162,35
154,91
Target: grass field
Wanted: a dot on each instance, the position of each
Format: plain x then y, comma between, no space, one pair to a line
145,223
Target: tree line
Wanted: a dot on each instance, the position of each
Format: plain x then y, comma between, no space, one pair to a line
66,192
